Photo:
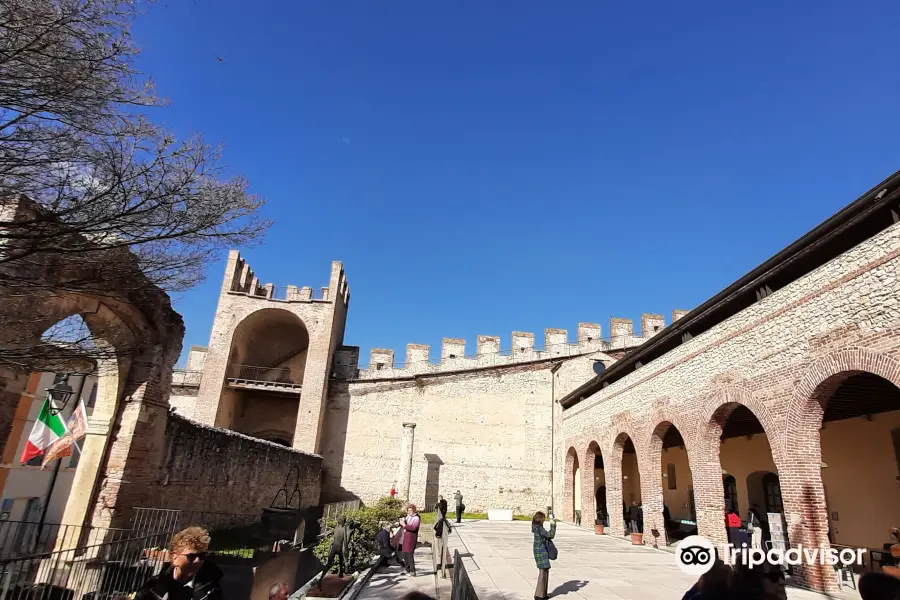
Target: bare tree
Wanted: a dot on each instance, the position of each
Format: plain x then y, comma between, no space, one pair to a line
115,194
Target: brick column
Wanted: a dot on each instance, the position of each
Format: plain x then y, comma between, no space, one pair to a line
613,470
803,496
568,513
132,466
709,494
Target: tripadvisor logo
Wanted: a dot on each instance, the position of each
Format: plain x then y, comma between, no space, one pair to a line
695,555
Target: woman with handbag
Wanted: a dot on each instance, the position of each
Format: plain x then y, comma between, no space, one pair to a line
410,526
544,552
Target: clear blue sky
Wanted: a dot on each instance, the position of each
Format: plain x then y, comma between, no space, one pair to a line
483,167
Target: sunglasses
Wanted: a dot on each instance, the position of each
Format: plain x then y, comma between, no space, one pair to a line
195,556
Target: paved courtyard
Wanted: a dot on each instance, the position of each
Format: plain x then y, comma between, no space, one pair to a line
499,561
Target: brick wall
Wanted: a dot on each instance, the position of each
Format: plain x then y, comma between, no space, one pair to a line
217,470
781,357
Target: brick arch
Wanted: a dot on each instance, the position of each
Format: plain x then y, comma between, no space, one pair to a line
613,470
652,491
569,484
801,476
821,380
706,466
588,497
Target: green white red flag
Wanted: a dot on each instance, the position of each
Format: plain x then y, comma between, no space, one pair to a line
48,427
76,427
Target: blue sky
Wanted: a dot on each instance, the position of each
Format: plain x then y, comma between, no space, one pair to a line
483,167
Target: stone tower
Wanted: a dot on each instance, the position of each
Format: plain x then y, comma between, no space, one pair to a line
269,357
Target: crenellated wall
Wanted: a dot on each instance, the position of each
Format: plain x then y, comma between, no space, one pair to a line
490,353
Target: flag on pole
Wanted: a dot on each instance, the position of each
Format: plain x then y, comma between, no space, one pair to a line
48,428
76,427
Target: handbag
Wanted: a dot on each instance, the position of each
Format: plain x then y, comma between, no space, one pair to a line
552,551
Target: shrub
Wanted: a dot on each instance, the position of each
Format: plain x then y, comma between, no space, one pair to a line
366,522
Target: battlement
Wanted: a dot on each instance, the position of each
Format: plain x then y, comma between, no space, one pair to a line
240,279
489,351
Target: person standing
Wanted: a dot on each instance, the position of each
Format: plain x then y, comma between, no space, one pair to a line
754,526
410,525
442,531
541,556
340,549
458,499
441,507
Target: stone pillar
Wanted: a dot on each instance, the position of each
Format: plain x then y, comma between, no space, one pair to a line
404,473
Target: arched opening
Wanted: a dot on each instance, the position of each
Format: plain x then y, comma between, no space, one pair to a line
678,511
265,372
632,506
860,458
744,453
572,486
80,375
598,478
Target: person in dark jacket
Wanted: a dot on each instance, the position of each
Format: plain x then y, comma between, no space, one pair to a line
637,518
442,506
190,575
383,545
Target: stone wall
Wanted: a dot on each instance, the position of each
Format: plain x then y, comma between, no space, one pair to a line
778,358
206,469
487,434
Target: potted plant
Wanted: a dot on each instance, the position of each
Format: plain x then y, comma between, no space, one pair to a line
637,539
598,527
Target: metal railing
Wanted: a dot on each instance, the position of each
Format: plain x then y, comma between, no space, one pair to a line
107,569
252,373
462,588
185,378
25,538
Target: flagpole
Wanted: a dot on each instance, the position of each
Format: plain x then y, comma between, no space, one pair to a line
53,477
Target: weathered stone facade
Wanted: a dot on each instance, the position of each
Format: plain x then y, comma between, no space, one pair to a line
211,470
781,358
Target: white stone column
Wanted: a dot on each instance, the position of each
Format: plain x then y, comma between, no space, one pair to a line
404,473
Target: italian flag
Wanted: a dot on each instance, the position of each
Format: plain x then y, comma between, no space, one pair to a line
48,428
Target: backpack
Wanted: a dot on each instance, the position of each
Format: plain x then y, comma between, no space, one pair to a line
439,527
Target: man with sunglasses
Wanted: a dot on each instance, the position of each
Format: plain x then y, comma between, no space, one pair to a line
190,575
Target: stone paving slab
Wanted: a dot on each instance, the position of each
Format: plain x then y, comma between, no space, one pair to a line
498,559
391,583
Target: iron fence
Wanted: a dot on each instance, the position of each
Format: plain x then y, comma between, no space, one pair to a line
462,588
264,374
26,538
105,570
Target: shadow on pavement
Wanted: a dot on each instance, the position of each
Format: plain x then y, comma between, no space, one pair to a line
569,586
